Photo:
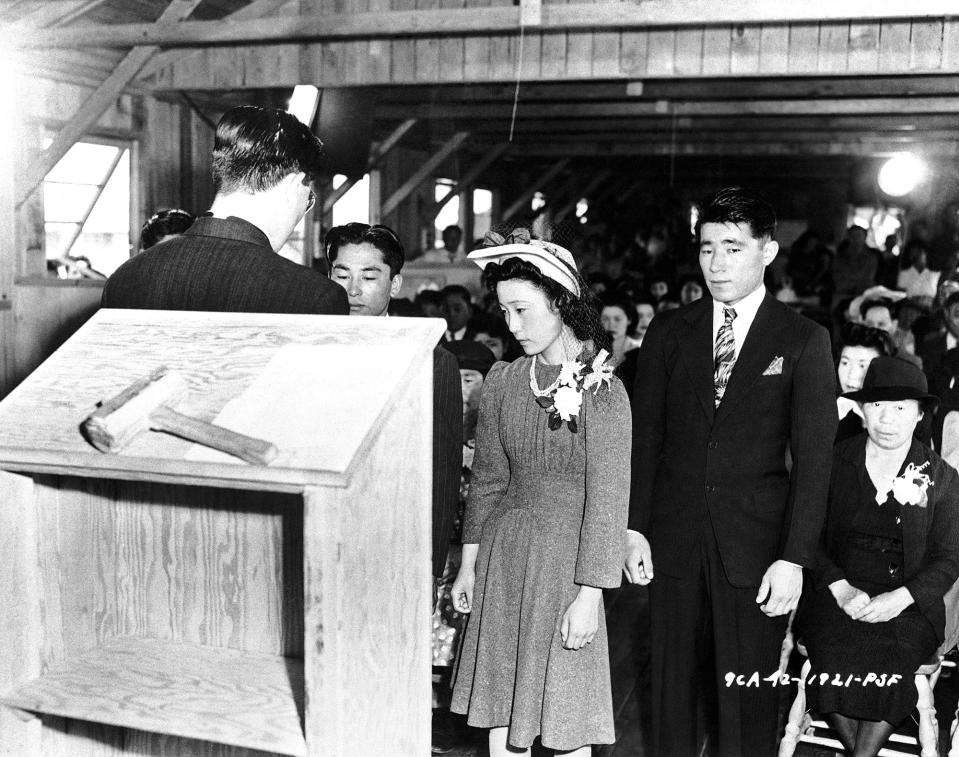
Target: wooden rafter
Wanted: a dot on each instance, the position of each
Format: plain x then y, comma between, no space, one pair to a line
376,156
474,172
255,10
424,172
491,20
614,150
523,200
96,105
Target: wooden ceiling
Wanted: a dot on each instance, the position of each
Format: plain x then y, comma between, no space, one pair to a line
603,82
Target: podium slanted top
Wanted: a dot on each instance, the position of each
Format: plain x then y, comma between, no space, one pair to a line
316,386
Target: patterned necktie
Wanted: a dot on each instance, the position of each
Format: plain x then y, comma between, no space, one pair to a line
725,355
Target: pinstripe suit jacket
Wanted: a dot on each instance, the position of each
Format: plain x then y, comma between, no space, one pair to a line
224,265
447,451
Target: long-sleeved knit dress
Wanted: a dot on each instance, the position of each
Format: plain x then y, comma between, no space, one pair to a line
548,510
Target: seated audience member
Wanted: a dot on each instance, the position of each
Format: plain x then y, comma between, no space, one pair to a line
457,310
658,290
599,282
918,280
163,225
859,345
883,314
645,311
475,362
452,237
934,347
492,332
430,303
890,552
856,265
691,290
366,262
619,318
264,161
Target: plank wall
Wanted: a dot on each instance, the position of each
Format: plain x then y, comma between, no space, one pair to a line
798,49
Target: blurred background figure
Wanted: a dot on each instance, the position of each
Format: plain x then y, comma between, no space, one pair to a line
163,225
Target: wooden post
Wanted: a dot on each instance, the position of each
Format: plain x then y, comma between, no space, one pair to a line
533,188
81,121
425,171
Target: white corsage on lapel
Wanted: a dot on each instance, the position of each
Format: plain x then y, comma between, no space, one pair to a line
775,368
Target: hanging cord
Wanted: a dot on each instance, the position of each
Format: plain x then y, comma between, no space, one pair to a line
519,70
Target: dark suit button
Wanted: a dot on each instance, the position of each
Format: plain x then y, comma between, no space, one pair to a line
893,569
713,445
710,489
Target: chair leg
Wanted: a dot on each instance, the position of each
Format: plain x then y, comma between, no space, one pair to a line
796,713
928,727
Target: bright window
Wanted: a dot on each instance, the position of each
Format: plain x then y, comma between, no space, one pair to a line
449,215
86,201
355,204
482,212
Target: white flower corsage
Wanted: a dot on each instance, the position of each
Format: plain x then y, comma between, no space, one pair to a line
910,487
563,398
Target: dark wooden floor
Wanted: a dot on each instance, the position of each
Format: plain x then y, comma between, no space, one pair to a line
626,621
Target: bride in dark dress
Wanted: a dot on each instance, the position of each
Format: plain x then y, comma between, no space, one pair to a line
890,553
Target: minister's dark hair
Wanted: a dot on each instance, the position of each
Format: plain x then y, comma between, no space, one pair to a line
255,148
737,205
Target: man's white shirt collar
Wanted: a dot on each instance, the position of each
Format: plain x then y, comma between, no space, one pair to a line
746,310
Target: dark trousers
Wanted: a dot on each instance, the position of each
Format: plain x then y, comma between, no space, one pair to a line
702,624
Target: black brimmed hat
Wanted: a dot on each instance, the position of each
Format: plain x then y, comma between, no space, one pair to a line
889,379
471,355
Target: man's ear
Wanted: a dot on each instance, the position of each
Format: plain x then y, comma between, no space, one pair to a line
770,250
396,283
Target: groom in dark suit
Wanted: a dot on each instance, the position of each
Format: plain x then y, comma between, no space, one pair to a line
734,415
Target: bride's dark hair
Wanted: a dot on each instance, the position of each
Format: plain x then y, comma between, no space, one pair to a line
581,313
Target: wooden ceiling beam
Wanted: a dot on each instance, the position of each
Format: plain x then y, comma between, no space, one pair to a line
616,150
851,106
676,89
254,11
474,172
95,106
424,172
377,154
491,20
598,135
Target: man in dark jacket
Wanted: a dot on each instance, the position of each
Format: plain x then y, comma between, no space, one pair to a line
727,389
263,163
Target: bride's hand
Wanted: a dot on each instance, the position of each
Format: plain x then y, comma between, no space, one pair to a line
462,590
581,619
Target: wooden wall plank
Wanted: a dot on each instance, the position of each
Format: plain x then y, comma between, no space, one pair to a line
504,53
553,55
579,54
863,48
717,47
452,49
403,68
606,55
926,45
633,53
950,44
476,65
688,54
833,48
774,49
662,53
894,51
744,50
803,48
427,50
532,56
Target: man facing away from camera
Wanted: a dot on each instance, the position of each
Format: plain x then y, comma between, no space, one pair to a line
726,389
264,161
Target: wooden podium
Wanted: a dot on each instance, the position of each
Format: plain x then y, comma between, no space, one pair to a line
172,600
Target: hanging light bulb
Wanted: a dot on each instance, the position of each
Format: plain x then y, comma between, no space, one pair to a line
901,174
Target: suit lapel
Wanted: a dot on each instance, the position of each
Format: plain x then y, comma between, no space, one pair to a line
696,347
757,352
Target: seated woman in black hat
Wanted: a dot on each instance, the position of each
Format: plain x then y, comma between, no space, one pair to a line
889,554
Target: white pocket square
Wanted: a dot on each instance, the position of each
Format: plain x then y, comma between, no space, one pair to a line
775,368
